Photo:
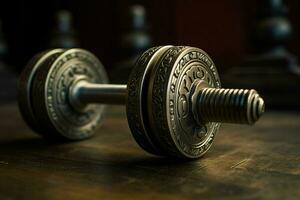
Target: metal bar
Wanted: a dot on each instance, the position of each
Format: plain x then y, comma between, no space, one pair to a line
84,93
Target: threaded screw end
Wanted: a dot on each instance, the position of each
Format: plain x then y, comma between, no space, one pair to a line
228,106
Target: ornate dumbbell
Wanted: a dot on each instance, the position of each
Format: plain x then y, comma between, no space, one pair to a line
174,98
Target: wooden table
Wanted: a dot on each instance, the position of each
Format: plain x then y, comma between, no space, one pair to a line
260,162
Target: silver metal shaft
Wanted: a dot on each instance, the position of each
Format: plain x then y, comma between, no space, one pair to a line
210,105
83,93
228,106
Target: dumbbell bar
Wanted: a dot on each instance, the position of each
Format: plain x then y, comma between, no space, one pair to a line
206,104
174,98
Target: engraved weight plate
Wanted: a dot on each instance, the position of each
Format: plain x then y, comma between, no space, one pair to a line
136,108
169,101
50,92
25,84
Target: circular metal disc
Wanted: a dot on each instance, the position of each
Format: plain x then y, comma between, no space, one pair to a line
49,95
169,102
137,86
25,83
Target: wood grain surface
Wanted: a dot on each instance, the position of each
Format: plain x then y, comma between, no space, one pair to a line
259,162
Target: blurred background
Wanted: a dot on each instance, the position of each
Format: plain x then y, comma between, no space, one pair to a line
255,44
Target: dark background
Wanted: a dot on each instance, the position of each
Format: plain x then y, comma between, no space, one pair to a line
222,28
219,27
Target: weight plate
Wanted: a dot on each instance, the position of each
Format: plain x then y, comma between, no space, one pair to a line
50,90
24,87
169,102
136,109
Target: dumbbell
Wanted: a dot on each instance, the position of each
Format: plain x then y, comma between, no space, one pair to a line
174,100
